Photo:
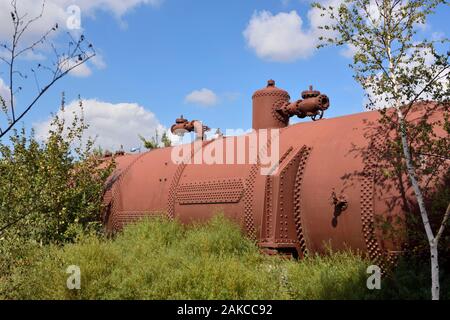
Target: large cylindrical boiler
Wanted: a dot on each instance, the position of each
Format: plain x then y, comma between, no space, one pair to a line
322,192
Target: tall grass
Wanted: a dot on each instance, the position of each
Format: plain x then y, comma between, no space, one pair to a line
160,259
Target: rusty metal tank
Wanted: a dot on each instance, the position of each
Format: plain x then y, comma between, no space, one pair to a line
323,193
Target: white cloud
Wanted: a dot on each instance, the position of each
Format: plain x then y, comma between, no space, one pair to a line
56,11
349,51
80,71
283,37
4,92
111,124
315,16
204,97
98,61
279,37
83,70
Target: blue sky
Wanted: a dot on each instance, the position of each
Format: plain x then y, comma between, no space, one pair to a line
156,55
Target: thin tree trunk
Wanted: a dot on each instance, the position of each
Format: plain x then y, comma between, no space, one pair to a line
433,243
434,271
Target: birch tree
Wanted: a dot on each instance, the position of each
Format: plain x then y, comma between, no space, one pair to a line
398,66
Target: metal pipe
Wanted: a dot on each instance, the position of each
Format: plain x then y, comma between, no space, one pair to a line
182,126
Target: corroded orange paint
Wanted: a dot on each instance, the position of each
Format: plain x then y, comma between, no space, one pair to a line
324,193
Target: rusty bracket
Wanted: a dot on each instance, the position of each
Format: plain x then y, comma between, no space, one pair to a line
340,201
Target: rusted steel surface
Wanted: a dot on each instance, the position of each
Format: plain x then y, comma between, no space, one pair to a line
324,191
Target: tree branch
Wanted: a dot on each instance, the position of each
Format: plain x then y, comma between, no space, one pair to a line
56,78
76,55
443,224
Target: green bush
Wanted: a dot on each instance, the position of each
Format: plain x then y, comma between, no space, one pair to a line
161,259
410,280
158,259
334,276
50,191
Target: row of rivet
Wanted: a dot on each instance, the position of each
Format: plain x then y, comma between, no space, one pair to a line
367,209
248,202
283,217
303,155
285,95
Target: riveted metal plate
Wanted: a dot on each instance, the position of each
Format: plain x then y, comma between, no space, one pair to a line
303,157
176,179
367,207
228,190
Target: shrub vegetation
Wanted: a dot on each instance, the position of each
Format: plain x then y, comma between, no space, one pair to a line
161,259
50,191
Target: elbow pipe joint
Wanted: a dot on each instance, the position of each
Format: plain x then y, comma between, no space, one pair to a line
312,105
183,125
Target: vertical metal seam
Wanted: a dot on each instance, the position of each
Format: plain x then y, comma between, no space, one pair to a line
304,155
283,230
268,209
367,208
248,201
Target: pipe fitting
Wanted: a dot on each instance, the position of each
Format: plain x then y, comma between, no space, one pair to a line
312,105
183,125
